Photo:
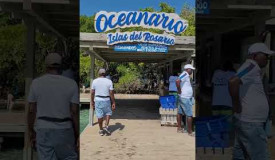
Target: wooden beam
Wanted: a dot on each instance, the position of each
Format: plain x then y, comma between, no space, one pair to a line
96,54
29,75
45,23
101,37
27,5
91,110
250,7
188,54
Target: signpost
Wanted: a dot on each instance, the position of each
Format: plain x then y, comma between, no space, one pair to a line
146,37
169,22
141,47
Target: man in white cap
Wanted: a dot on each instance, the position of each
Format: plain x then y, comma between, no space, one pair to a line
53,101
102,92
250,105
185,104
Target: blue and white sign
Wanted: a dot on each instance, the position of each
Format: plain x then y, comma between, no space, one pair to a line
142,47
203,6
169,22
139,36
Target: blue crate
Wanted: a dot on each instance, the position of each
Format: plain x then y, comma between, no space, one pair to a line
168,101
212,131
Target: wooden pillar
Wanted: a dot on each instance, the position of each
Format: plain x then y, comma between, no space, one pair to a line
171,68
92,76
217,52
29,74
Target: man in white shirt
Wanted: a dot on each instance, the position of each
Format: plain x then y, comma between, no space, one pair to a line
185,92
102,92
53,101
221,99
250,105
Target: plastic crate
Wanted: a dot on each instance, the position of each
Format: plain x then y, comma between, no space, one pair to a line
168,101
212,131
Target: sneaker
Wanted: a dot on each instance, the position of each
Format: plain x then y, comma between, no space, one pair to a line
106,129
101,132
181,131
192,134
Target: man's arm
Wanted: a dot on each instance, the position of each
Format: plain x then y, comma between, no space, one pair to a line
178,86
113,99
93,98
31,120
75,119
234,87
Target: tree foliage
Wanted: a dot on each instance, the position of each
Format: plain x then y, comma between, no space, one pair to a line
188,13
85,69
12,49
12,55
87,24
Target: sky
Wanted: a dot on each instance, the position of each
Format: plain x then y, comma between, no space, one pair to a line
90,7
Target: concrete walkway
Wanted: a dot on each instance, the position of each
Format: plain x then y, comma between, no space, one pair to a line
137,135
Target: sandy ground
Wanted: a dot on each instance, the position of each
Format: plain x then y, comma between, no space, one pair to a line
137,135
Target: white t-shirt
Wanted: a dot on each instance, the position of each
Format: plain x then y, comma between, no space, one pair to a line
54,95
102,87
186,88
221,94
252,96
172,83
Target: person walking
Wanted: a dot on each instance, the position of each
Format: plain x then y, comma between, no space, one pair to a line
250,105
103,100
53,101
185,92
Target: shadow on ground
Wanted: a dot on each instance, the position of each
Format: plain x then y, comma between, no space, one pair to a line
136,109
117,126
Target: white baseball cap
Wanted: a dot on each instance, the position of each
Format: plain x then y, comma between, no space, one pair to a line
101,71
53,59
259,47
189,66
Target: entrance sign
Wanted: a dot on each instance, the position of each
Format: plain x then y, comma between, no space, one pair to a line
169,22
202,6
142,47
147,37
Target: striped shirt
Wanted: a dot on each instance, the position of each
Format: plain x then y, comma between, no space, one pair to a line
186,88
252,96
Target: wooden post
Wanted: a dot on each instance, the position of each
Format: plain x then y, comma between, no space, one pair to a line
91,114
29,74
170,68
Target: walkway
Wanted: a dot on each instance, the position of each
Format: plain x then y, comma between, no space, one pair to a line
136,134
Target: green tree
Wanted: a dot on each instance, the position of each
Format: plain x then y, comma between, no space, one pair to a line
12,55
85,68
164,7
188,14
87,23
